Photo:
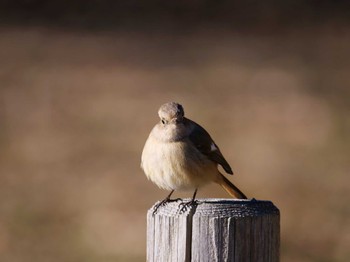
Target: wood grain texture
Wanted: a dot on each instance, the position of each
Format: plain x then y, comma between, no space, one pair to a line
214,230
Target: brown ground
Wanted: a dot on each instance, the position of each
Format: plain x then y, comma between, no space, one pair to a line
76,109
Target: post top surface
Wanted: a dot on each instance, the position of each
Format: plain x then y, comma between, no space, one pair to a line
220,207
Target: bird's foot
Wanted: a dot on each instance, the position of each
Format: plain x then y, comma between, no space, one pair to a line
185,205
163,202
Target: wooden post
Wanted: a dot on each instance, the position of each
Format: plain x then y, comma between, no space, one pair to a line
214,230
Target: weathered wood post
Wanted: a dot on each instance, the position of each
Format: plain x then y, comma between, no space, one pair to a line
214,230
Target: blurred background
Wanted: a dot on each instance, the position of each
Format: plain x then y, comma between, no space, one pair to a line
80,86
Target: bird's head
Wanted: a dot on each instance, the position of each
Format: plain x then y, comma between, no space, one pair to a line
171,113
173,124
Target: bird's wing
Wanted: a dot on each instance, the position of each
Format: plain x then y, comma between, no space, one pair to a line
205,144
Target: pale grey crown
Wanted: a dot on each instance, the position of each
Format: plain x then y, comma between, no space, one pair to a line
170,111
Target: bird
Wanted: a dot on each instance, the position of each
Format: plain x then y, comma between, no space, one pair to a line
179,154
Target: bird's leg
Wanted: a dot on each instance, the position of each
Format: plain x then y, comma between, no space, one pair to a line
164,201
192,202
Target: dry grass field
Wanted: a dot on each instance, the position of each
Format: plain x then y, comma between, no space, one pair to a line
76,108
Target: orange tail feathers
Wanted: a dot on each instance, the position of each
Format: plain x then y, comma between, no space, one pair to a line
230,188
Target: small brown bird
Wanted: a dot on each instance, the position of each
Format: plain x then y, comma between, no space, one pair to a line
179,154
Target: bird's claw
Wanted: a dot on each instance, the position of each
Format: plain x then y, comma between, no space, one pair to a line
185,205
163,202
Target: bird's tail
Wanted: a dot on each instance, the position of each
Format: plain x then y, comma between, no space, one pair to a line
230,188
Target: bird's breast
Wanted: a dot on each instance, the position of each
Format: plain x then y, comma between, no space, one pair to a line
176,165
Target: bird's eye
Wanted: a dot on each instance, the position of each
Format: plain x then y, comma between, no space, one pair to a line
163,121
